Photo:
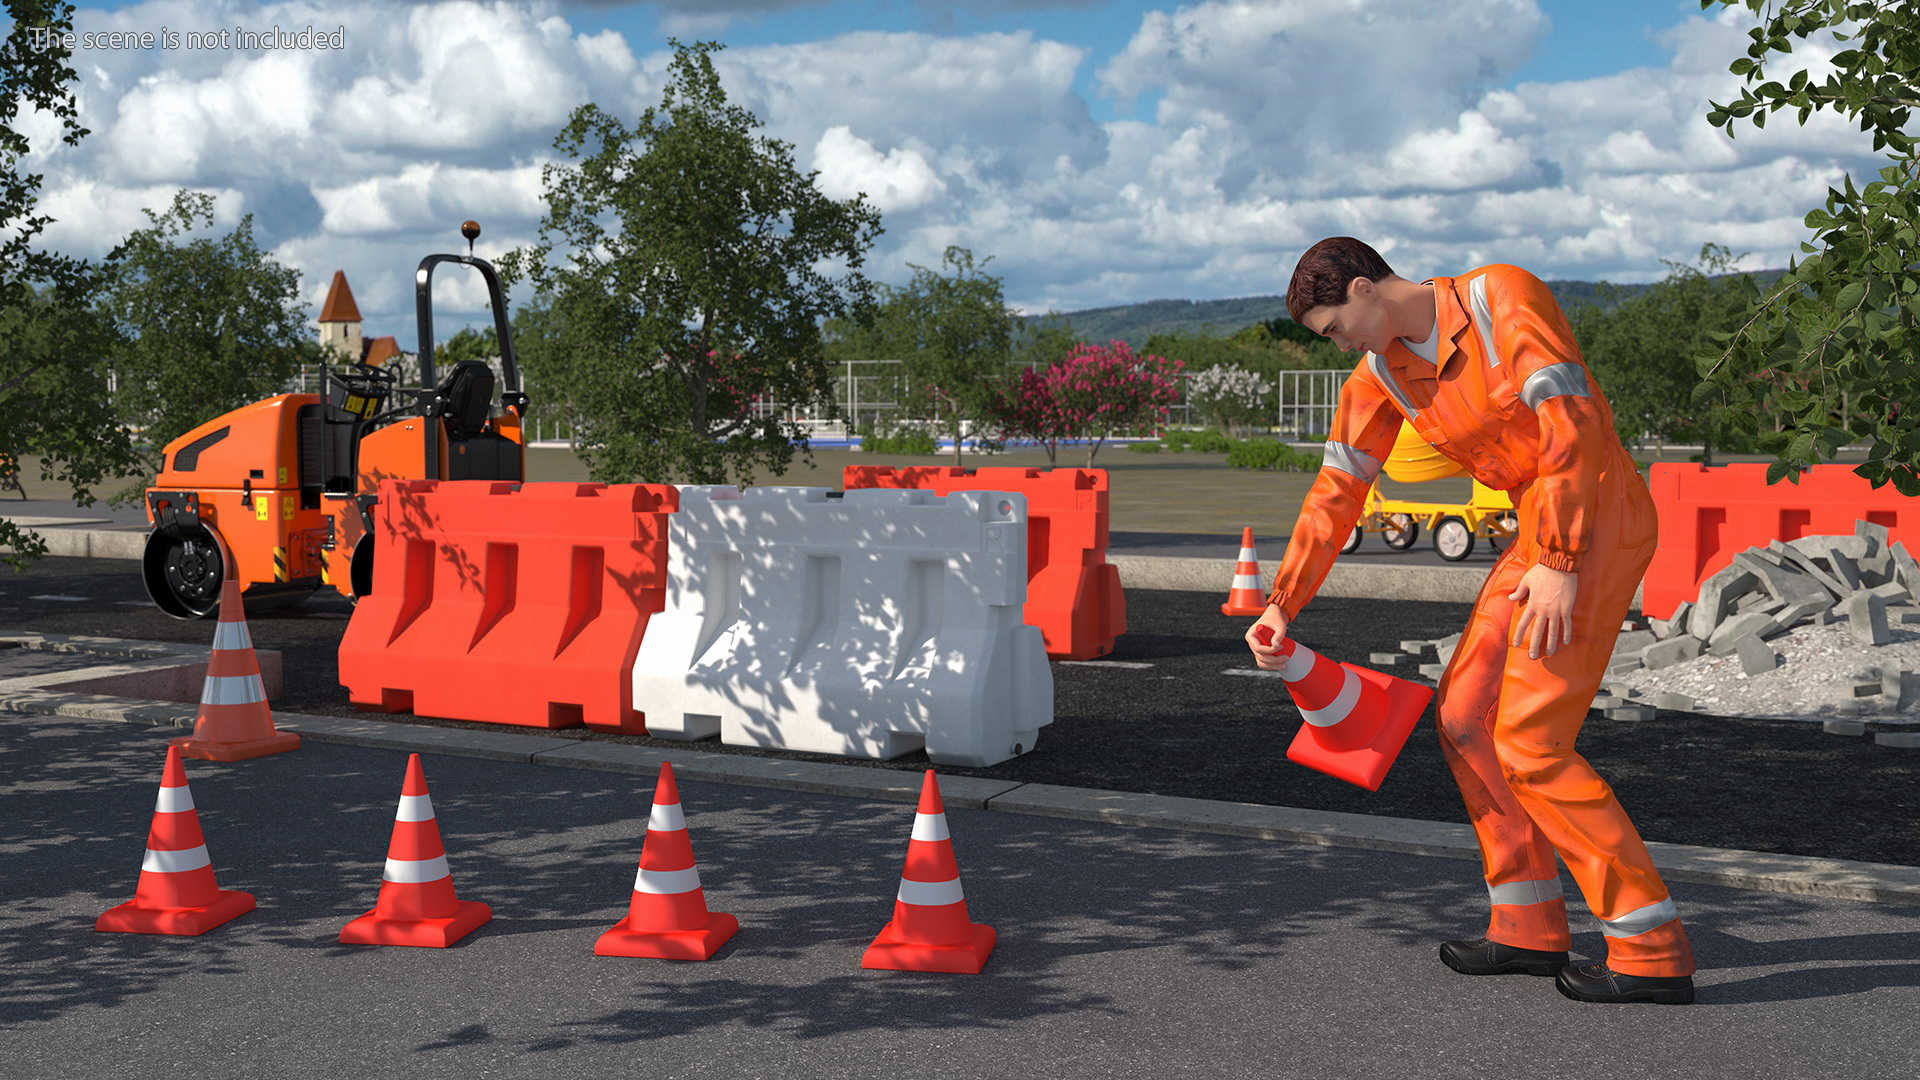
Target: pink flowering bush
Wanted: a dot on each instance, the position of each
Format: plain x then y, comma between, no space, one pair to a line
1092,393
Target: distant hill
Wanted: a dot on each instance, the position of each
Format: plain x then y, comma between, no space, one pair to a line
1133,323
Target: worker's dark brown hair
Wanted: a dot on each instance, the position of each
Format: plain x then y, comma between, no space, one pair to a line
1325,271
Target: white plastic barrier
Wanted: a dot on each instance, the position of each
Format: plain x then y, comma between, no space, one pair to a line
866,625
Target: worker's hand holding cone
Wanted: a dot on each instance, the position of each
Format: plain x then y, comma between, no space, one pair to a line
930,931
1246,597
177,893
1356,719
667,917
234,722
417,905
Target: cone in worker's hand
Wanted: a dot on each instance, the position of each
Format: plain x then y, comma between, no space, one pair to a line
930,931
176,894
667,917
417,905
1246,596
1357,719
234,722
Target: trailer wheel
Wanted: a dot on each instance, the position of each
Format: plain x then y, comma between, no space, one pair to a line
1400,531
1353,540
1452,539
183,571
360,570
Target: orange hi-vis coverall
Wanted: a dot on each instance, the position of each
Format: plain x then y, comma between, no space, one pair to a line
1511,400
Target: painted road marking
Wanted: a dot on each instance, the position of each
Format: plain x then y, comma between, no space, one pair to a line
63,599
1128,664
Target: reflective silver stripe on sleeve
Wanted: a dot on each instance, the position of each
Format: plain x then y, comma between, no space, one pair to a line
1350,460
1522,893
930,893
175,862
930,827
416,871
1640,920
1554,380
233,690
1381,373
1483,317
173,800
666,817
1337,710
232,635
666,882
415,808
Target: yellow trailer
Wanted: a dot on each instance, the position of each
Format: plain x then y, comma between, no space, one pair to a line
1453,526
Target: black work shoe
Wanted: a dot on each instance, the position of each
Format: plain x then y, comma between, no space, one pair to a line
1483,957
1598,982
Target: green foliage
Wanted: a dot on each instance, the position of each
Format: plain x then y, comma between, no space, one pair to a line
1145,447
469,344
899,441
1641,351
1833,348
1254,348
204,325
1269,454
1206,441
698,264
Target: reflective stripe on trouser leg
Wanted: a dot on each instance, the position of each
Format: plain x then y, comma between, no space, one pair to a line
1542,705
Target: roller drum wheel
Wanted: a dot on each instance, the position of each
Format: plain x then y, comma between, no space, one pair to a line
183,572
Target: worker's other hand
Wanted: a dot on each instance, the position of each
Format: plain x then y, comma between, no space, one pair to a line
1266,656
1545,620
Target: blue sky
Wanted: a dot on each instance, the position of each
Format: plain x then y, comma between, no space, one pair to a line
1100,151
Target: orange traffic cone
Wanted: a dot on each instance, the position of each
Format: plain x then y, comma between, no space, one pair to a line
668,917
930,931
177,894
1246,597
1357,719
417,905
234,722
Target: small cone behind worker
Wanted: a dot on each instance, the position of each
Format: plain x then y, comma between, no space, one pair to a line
930,931
234,722
417,905
176,894
1246,596
668,917
1357,720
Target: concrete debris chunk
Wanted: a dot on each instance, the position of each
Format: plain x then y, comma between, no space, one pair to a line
1784,585
1893,682
1844,727
1667,653
1445,646
1415,648
1631,713
1806,565
1853,547
1905,570
1659,627
1756,656
1604,702
1874,533
1624,665
1906,739
1802,608
1633,641
1753,622
1717,596
1387,659
1843,568
1866,689
1867,618
1673,701
1433,671
1891,591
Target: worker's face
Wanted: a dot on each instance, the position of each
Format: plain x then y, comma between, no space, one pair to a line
1359,325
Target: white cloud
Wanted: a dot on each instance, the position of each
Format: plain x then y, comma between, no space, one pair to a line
849,165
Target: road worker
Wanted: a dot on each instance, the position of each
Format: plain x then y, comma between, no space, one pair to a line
1485,368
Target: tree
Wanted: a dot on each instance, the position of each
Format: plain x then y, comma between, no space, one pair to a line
52,383
953,334
203,326
1230,396
1094,392
698,265
1832,347
1641,351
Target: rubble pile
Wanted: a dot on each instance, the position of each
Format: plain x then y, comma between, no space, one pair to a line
1820,628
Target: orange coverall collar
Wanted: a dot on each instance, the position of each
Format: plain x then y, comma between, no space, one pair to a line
1452,321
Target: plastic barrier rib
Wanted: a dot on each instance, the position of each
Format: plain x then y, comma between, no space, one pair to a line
1073,594
1707,515
867,625
509,604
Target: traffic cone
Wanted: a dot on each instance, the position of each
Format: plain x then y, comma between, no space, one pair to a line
177,894
930,931
234,722
1246,597
667,917
417,905
1356,719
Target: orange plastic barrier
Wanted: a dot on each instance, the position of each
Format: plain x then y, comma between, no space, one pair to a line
1073,594
509,603
1707,515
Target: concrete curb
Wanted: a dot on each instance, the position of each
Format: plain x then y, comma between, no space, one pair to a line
147,670
1755,871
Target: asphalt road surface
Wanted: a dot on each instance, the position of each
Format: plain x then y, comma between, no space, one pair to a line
1122,952
1175,723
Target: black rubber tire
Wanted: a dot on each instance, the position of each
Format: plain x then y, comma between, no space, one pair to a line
360,569
1405,538
183,573
1452,539
1353,540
